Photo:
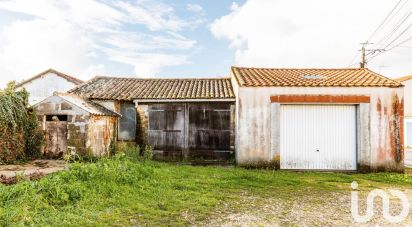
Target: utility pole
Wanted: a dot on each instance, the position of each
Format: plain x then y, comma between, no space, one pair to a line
364,62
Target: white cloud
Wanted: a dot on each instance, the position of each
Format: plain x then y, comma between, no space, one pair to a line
148,64
194,8
317,33
80,36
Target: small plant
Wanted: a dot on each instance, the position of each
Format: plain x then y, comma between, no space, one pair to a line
70,157
147,153
130,151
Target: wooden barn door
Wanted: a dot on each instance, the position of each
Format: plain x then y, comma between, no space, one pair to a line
209,131
166,129
56,136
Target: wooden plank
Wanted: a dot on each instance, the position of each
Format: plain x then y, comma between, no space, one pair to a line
56,138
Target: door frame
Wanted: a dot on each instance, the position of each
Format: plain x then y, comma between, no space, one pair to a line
356,133
363,156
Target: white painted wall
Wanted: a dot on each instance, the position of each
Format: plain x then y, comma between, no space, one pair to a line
253,134
408,97
44,86
408,112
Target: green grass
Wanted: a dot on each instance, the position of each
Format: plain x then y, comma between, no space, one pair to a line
126,191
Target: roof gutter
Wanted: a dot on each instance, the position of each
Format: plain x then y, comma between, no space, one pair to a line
136,101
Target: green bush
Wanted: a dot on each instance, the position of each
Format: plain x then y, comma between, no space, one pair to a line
20,134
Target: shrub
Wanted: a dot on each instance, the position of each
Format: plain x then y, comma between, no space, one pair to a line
20,134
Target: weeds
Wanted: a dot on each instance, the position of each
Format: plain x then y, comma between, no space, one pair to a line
129,189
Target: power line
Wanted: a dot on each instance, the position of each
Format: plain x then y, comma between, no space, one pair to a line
395,29
386,18
390,19
397,37
364,54
393,47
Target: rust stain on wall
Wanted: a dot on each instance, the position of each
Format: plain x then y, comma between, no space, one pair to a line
381,152
396,129
101,134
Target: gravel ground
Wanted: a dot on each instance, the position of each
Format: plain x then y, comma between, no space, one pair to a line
311,209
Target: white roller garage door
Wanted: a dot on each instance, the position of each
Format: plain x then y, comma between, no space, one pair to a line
318,137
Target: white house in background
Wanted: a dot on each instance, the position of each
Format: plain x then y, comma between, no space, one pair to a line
407,81
46,83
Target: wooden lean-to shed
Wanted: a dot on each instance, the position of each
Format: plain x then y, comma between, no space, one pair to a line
76,125
182,119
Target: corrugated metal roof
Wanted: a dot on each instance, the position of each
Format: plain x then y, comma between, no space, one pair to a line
346,77
114,88
87,105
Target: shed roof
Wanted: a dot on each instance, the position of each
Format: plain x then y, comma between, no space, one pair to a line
65,76
404,78
115,88
345,77
85,104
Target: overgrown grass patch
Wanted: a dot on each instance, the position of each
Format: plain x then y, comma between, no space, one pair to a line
128,191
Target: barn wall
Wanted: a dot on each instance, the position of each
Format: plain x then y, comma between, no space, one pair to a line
174,136
44,87
381,124
86,134
102,133
77,128
142,122
77,121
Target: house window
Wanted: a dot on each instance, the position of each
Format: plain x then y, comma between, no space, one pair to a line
56,117
127,122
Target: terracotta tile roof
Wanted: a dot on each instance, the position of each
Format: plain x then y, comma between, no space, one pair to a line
114,88
65,76
346,77
404,78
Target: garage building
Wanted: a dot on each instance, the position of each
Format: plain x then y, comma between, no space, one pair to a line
318,119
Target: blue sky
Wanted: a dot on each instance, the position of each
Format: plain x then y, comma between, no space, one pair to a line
159,38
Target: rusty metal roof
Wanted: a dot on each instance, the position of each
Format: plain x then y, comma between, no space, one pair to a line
115,88
345,77
85,104
65,76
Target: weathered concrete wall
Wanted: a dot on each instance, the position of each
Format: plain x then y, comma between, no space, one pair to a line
381,126
142,123
77,128
77,120
408,97
44,87
102,134
86,134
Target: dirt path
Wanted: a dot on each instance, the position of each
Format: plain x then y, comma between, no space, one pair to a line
310,209
10,174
